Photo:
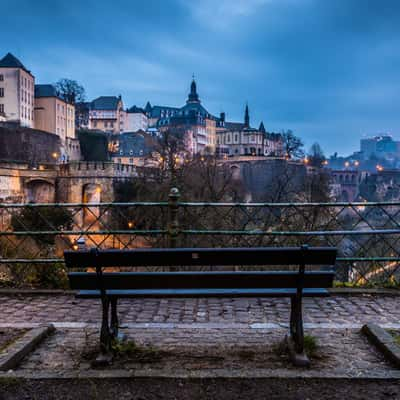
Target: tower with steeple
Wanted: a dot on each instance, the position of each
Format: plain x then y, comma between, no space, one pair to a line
193,96
247,117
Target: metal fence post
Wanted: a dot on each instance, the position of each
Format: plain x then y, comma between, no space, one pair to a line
173,221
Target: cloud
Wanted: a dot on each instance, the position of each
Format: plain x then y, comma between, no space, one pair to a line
222,14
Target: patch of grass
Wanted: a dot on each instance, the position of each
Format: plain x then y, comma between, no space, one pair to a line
396,335
310,345
390,283
9,381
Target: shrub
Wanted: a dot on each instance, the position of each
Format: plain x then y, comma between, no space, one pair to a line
37,219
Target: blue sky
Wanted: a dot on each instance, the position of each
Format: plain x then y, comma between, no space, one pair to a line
327,69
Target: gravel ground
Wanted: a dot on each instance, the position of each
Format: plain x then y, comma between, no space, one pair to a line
193,389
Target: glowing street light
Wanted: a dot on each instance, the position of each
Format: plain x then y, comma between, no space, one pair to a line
379,168
347,164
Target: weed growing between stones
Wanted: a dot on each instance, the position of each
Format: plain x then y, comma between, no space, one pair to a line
311,348
396,335
7,382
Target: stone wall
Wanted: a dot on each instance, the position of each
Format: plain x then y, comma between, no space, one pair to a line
261,176
28,145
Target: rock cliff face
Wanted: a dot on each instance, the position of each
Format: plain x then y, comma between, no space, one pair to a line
28,145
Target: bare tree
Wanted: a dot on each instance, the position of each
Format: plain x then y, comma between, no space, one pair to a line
316,156
292,145
71,91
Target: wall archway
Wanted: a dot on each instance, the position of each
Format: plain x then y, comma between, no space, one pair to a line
91,194
40,191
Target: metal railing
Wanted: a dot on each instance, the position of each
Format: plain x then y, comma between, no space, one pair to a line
366,234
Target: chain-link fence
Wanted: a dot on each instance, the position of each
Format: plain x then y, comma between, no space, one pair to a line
366,234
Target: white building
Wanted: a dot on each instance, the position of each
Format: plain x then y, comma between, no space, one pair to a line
136,120
17,89
107,114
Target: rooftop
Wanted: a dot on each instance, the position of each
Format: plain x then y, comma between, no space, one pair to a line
105,103
46,91
10,61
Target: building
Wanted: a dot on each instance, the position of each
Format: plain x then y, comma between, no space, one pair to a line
17,86
240,139
136,119
53,114
155,113
106,113
196,125
380,147
133,148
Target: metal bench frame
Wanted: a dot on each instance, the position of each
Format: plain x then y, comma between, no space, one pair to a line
109,298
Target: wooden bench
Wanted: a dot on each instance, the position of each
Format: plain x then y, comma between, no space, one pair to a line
110,286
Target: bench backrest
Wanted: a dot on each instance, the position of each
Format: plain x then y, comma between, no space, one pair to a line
258,256
201,257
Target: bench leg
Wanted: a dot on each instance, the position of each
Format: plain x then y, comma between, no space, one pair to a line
114,317
295,339
296,324
105,337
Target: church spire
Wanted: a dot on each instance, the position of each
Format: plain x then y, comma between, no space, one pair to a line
193,96
247,117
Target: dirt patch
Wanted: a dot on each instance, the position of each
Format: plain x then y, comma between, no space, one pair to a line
8,336
132,356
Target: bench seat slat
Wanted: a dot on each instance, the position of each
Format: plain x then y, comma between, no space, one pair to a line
198,280
201,256
204,293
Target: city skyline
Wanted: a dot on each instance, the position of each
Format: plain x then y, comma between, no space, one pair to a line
327,72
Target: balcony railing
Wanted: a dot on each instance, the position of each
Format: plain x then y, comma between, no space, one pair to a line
366,234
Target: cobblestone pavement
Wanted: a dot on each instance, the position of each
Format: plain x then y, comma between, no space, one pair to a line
339,310
235,335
